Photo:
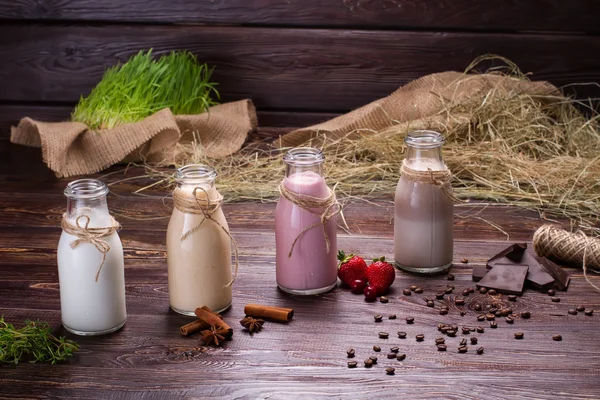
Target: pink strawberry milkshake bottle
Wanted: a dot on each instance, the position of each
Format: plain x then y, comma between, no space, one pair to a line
312,266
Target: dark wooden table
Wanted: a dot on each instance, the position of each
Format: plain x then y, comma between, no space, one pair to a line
306,358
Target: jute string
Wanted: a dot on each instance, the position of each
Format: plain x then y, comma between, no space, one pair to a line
440,179
330,206
574,248
206,206
94,236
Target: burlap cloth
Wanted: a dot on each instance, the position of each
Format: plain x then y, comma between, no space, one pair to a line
70,148
419,105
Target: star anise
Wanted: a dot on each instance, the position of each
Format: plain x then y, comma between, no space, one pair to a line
252,324
213,336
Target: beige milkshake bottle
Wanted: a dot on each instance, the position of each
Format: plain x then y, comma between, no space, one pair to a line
424,207
198,244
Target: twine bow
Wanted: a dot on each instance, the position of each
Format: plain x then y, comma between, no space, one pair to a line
330,206
94,236
440,179
207,207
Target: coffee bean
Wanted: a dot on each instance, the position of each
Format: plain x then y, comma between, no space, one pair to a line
443,311
392,316
428,298
420,337
482,290
374,359
551,292
572,311
493,310
402,335
430,304
450,277
448,290
383,299
488,307
463,313
459,301
463,349
473,340
352,364
466,330
401,357
441,326
477,307
471,290
589,312
509,320
492,292
480,329
407,292
490,317
480,350
439,296
413,287
505,312
350,353
384,335
519,335
391,355
555,299
525,315
410,320
440,340
510,310
493,324
451,333
557,338
378,317
498,313
481,317
368,363
581,308
441,347
394,349
465,292
390,371
376,348
419,290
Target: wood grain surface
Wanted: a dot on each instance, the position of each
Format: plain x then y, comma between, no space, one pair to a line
318,70
306,358
545,15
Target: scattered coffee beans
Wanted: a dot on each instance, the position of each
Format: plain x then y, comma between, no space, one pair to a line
480,350
450,277
430,303
466,330
368,363
448,290
350,353
413,287
376,348
378,317
509,320
384,335
490,317
407,292
477,307
420,337
410,320
557,338
555,299
492,292
464,260
390,370
402,335
589,312
392,316
441,347
525,315
512,297
383,299
463,349
581,308
505,312
463,313
465,292
519,335
352,364
374,359
481,317
459,301
483,290
463,342
572,311
471,290
391,355
493,324
480,329
440,340
551,292
400,357
473,340
394,349
439,296
419,290
443,311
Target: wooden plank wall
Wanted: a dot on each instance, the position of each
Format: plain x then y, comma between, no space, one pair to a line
301,61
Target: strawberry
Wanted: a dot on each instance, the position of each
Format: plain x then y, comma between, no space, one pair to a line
381,275
351,268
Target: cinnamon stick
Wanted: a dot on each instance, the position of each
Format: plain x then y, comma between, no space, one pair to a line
197,325
269,312
210,318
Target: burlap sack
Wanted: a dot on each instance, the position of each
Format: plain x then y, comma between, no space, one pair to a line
70,148
418,105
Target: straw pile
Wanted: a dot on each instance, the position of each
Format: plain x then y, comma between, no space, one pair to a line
536,152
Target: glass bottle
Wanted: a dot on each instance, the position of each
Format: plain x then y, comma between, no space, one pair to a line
311,268
423,237
92,292
198,250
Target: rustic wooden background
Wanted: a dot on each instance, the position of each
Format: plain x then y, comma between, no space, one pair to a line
301,61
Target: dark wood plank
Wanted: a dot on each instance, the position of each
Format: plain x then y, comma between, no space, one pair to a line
289,69
545,15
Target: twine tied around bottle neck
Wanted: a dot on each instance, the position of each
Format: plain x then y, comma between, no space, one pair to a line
191,204
440,179
330,206
574,248
94,236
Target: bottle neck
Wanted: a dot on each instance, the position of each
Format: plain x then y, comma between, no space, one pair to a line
307,160
297,169
95,208
196,176
422,159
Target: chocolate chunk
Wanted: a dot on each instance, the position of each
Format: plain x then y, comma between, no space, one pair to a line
513,253
479,271
537,276
505,278
561,278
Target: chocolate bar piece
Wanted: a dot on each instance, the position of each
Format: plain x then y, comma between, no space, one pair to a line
561,278
479,271
505,278
537,276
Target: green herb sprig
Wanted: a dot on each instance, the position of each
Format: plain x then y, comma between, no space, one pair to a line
34,341
142,86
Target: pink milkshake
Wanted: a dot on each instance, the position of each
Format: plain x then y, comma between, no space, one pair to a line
311,268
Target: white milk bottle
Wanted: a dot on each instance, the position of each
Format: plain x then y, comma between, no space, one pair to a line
198,244
90,262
